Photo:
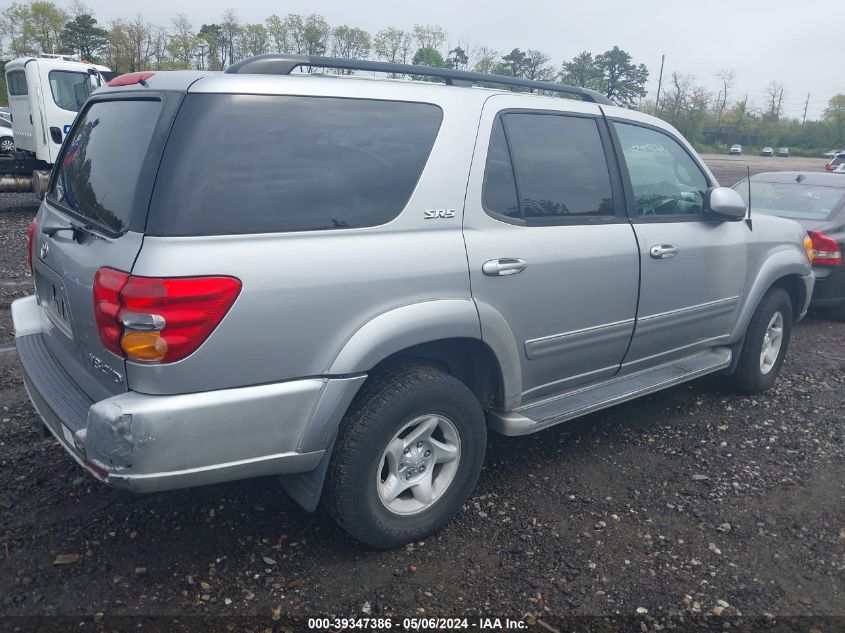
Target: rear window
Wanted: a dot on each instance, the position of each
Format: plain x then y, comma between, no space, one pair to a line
257,164
16,81
70,89
792,200
97,175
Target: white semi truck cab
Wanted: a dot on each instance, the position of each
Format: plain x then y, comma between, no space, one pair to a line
45,93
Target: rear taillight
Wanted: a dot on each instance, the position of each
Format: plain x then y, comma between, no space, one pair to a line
828,167
826,251
162,320
30,242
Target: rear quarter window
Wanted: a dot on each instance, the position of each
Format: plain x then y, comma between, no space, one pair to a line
237,164
16,81
98,174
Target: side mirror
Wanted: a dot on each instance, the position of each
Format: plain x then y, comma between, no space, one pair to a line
725,202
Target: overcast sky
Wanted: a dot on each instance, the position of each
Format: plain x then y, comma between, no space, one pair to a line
795,43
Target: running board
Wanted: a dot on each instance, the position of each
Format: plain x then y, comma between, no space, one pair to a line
583,400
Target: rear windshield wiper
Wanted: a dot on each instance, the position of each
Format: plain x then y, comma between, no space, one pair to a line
77,230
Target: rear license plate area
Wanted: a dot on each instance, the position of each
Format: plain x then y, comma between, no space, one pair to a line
53,299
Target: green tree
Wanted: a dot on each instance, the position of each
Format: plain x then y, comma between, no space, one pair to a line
834,115
84,36
350,42
208,41
427,56
622,80
44,26
277,33
582,71
512,64
252,40
457,58
315,35
182,43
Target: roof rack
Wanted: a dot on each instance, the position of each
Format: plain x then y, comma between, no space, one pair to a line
284,64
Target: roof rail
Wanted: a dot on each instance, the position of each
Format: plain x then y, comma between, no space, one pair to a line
284,64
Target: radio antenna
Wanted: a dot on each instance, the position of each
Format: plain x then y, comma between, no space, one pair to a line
748,180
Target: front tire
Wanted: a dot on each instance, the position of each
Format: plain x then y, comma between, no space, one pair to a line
766,343
7,145
407,456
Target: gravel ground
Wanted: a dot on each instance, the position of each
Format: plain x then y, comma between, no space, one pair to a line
688,502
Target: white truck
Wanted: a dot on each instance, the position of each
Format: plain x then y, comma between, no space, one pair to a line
45,93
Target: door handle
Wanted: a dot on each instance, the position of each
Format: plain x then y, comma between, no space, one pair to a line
663,251
503,267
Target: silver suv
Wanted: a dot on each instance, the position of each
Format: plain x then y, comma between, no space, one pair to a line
347,281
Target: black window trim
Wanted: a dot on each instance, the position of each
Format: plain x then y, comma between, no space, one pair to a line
53,94
170,102
629,190
616,183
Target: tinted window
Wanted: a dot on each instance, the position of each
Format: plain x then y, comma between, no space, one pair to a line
16,81
792,200
257,163
560,168
499,192
97,174
665,179
70,89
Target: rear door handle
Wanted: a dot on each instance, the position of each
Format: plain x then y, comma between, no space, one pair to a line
503,267
663,251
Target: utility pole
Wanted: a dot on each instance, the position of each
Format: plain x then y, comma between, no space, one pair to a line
806,105
659,83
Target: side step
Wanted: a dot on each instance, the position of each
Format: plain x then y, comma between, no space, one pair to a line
583,400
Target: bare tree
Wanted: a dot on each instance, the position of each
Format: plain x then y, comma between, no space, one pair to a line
182,43
726,77
430,36
485,59
230,28
774,100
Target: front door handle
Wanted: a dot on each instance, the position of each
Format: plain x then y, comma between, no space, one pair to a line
503,267
663,251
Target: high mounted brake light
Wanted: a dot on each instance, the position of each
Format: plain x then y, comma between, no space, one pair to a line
159,319
130,79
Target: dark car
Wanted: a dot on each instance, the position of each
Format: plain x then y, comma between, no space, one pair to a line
817,201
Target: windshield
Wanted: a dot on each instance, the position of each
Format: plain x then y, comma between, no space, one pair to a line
791,199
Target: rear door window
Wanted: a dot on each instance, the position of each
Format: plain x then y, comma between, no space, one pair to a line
237,164
97,175
546,168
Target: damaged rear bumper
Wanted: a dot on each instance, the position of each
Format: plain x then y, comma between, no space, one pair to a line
146,443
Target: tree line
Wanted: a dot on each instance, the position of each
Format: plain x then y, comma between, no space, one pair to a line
126,45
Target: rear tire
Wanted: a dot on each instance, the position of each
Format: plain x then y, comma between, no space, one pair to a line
766,343
416,430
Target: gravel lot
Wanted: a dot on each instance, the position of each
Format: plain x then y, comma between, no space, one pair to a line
691,501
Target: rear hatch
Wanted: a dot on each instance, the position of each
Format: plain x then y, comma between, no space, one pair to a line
100,185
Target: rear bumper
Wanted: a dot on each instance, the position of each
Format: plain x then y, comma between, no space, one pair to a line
830,286
146,443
